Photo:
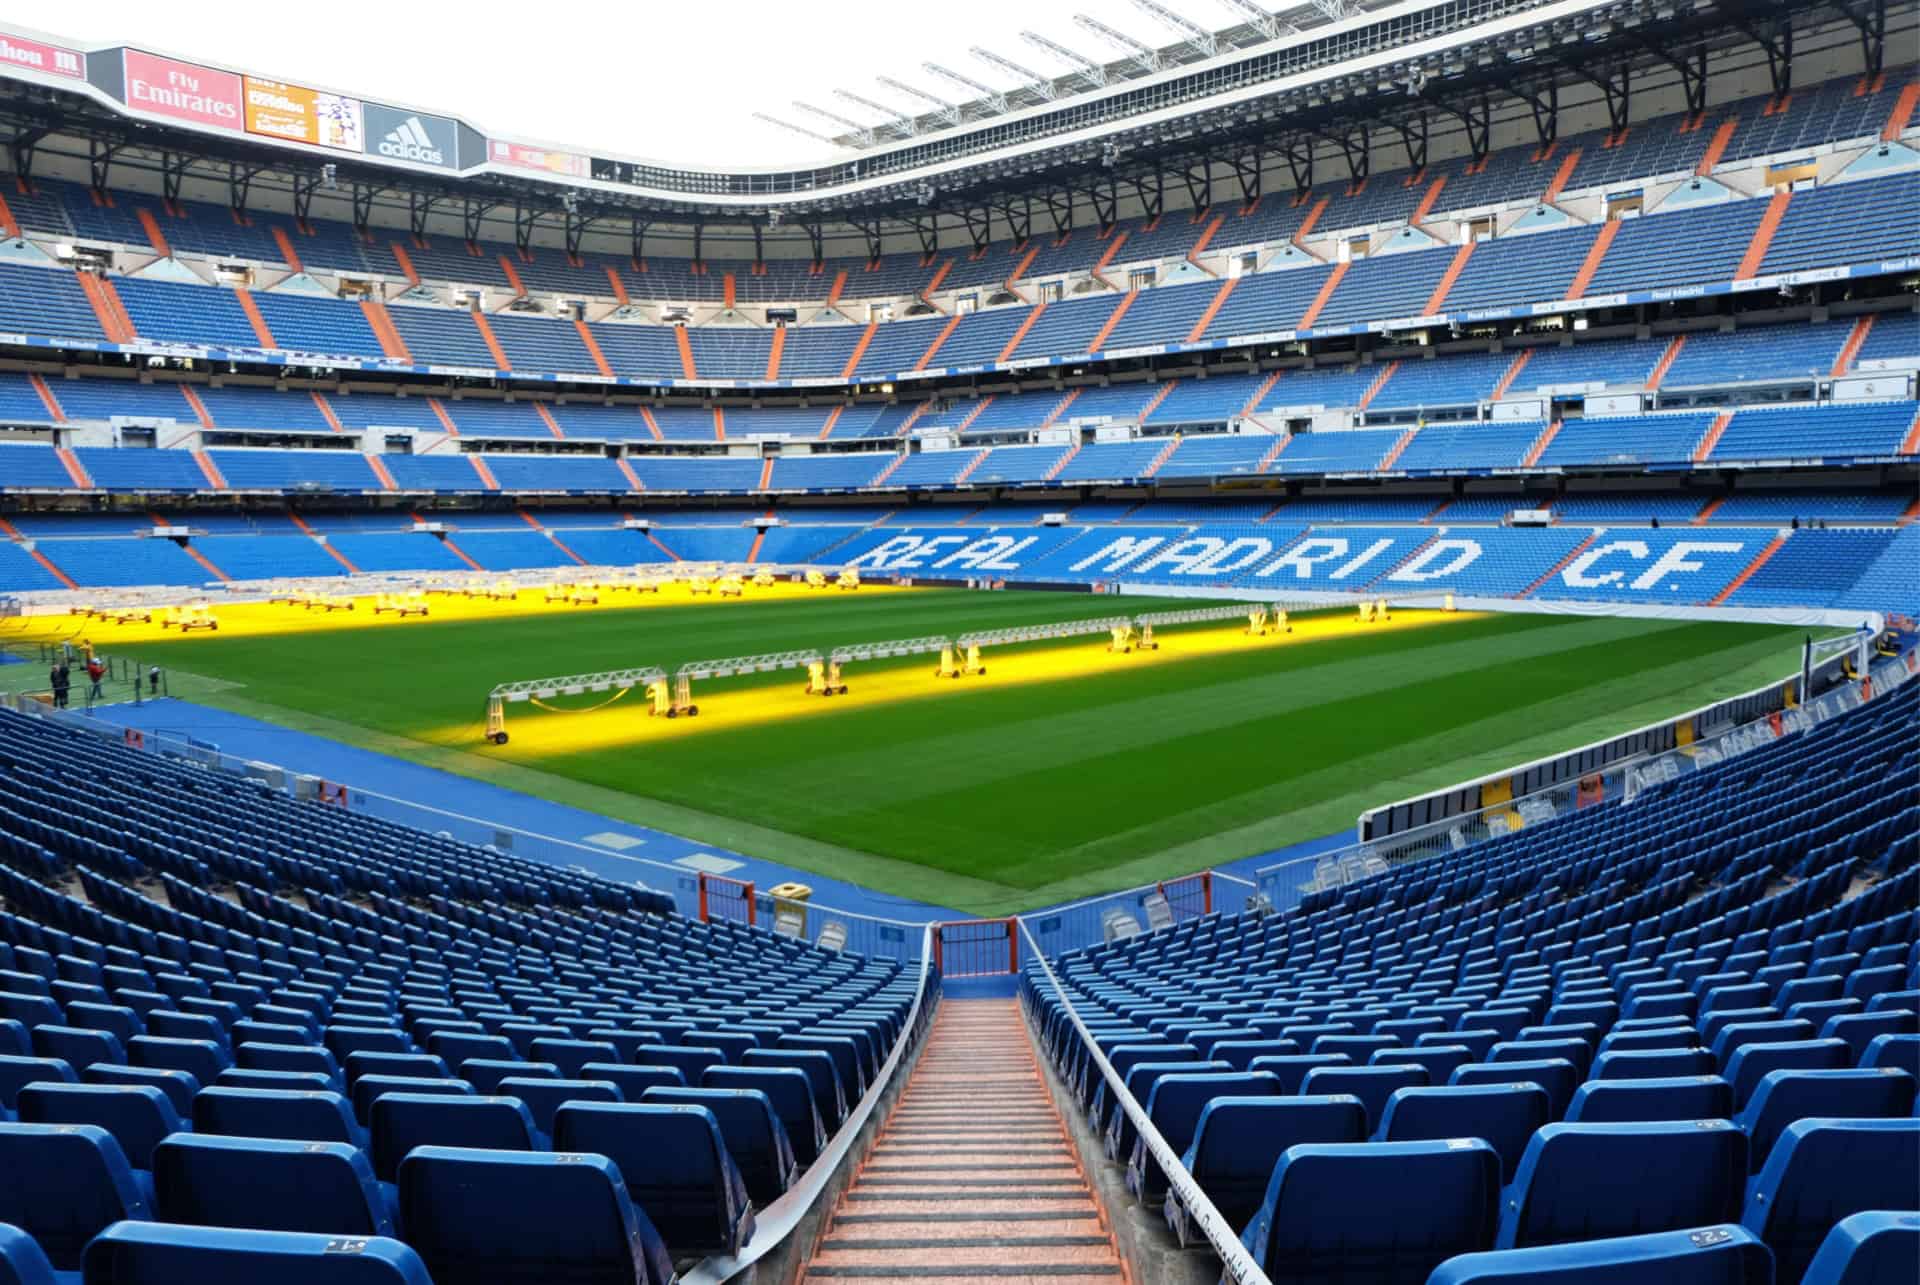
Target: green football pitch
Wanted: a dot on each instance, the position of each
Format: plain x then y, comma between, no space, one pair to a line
988,794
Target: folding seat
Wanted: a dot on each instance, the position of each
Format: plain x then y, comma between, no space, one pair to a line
1239,1054
1376,1211
675,1166
1902,1051
785,1088
1175,1104
828,1098
1671,1037
1123,1058
1819,1012
1786,1096
1822,1170
751,1130
177,1085
1720,1255
120,1022
17,1072
1121,1133
268,1183
235,1077
455,1047
1867,1248
1373,1085
426,1066
1292,1069
1439,1060
1653,1064
1585,1181
202,1059
369,1087
1885,1000
570,1055
1752,1061
15,1039
62,1183
1745,994
1357,1047
344,1041
176,1025
1714,1023
1682,1097
137,1116
693,1060
1556,1075
22,1261
399,1122
543,1097
1860,1029
289,1057
1578,1052
1731,1038
841,1048
1480,1041
310,1116
136,1253
1504,1116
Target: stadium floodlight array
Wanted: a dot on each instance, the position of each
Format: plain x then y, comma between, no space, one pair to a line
536,690
970,644
733,666
1261,618
831,683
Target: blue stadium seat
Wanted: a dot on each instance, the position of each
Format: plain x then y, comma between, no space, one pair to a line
1557,1076
1373,1085
140,1253
1717,1255
269,1185
675,1166
1822,1170
1867,1249
1175,1106
1238,1141
293,1115
1686,1097
546,1096
399,1122
478,1217
786,1089
754,1137
1584,1181
137,1116
61,1184
1504,1116
1786,1096
1379,1211
22,1262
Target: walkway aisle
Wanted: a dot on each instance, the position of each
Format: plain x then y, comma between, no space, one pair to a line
973,1177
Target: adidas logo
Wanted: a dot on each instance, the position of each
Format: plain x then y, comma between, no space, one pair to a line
409,141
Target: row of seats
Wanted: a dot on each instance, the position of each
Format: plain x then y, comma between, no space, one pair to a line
1578,1053
233,1009
1838,109
1845,224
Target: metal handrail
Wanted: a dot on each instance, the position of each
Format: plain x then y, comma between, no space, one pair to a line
1237,1263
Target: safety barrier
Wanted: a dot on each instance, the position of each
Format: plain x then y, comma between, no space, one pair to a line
729,899
977,948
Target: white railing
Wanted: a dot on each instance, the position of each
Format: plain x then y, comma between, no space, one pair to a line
1236,1263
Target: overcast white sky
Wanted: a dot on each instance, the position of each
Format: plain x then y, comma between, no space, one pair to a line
676,81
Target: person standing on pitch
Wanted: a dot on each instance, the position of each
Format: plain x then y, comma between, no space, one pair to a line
95,672
153,681
57,681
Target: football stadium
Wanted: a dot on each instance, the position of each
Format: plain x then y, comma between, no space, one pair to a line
1262,646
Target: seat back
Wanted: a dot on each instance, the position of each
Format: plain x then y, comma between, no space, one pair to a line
136,1253
1586,1181
828,1099
1679,1097
1373,1085
786,1088
62,1183
399,1122
1751,1062
269,1185
1822,1170
1503,1115
753,1134
310,1115
1718,1255
22,1261
1786,1096
1865,1248
505,1215
137,1115
675,1165
543,1096
1376,1211
1238,1140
